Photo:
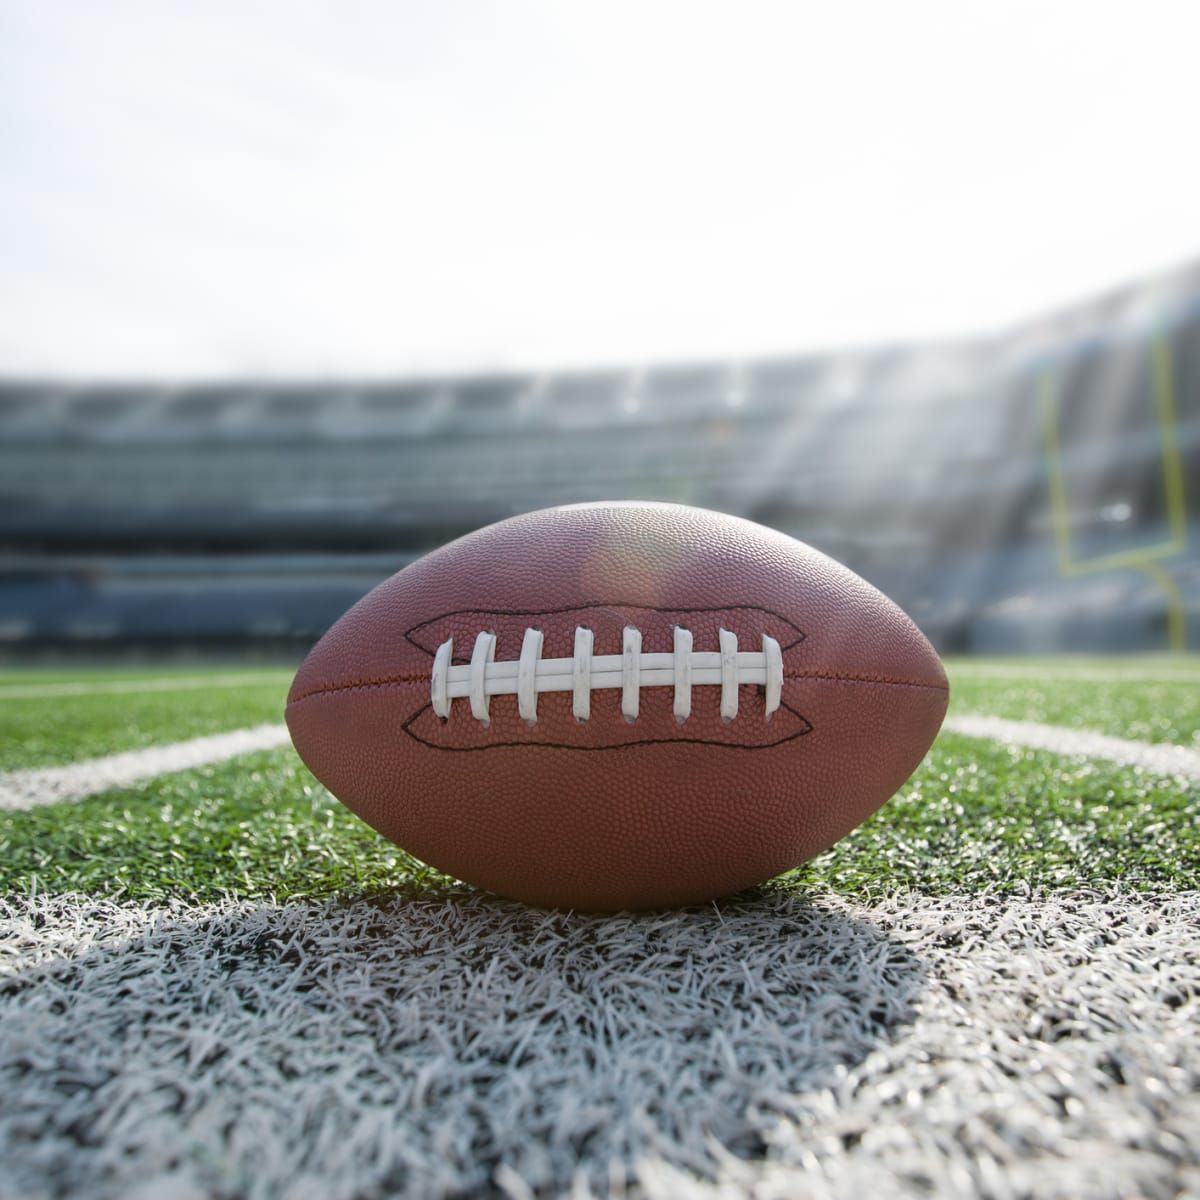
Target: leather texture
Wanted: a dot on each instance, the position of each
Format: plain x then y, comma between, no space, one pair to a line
608,814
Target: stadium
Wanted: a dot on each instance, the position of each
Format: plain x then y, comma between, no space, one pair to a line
217,981
1044,512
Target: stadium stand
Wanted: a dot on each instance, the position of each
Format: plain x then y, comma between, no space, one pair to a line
251,514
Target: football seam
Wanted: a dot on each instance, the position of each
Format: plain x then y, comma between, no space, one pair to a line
807,728
410,635
830,676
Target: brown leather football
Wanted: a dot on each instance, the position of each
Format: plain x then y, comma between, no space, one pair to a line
619,705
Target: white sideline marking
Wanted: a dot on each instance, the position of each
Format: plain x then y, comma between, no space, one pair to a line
123,687
27,789
1160,759
774,1046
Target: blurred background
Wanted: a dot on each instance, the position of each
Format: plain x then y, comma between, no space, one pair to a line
292,294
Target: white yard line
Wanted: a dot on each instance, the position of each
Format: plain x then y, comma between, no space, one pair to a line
27,789
127,687
770,1047
1160,759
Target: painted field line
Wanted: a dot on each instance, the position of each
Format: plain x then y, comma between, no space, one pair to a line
777,1045
1160,759
125,687
27,789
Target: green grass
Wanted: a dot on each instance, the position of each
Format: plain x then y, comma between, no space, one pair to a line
979,815
974,816
256,826
47,731
1160,705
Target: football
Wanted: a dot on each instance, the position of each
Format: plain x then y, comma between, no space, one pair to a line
618,705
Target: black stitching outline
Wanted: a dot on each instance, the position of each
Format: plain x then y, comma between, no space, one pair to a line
674,741
409,635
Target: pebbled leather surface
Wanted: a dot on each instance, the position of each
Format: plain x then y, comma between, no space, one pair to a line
609,815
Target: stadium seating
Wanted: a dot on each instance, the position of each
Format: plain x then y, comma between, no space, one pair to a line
926,468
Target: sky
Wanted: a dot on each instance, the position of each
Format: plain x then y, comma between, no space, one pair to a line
302,189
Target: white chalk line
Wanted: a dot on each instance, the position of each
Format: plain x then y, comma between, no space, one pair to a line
771,1047
1161,759
127,687
28,789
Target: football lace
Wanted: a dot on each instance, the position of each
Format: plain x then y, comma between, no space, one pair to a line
631,670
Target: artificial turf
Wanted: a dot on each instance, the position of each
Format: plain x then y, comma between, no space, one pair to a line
255,826
974,816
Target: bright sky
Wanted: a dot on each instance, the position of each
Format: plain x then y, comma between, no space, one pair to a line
294,188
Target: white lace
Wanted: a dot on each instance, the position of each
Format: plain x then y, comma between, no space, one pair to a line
631,670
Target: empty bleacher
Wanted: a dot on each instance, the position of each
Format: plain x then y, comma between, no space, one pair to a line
236,512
